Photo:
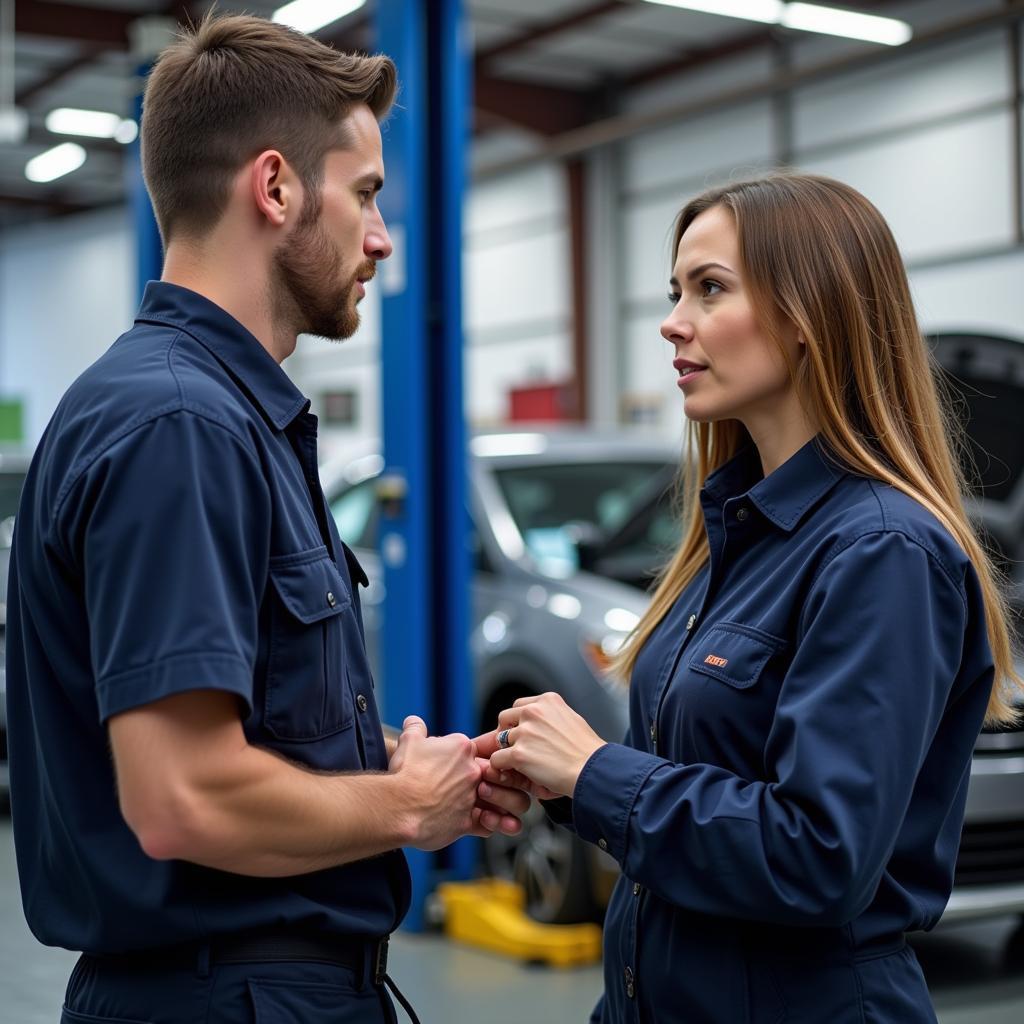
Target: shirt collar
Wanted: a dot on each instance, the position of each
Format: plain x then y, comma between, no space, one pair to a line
234,346
785,495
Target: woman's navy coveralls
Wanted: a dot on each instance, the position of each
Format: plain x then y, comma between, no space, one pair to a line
789,798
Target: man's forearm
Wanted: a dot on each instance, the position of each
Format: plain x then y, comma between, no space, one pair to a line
257,814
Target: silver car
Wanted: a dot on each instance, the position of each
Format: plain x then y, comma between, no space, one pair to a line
539,502
569,528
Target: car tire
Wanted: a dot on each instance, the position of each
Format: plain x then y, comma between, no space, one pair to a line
552,866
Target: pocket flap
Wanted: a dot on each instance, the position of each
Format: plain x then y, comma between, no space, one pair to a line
312,589
735,654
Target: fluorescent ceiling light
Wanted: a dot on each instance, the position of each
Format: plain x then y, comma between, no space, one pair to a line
831,21
94,124
768,11
851,24
309,15
56,162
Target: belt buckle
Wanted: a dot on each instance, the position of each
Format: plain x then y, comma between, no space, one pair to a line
380,960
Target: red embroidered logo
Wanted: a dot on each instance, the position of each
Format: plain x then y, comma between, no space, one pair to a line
714,659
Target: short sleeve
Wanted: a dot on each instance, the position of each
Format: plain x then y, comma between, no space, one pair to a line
169,528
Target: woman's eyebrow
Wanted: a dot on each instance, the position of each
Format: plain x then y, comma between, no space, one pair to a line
697,271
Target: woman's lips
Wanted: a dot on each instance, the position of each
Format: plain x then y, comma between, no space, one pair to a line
687,371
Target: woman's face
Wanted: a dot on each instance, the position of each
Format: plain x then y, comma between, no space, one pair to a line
728,368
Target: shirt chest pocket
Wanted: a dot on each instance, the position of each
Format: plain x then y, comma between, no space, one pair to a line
735,654
307,691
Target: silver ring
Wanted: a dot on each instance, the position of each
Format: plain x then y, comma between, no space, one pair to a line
503,739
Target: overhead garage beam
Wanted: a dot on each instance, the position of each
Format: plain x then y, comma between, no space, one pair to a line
617,128
550,28
72,21
545,109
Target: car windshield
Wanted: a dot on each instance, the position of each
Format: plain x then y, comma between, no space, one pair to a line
555,506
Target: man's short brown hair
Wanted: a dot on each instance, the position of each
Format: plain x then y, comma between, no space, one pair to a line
233,87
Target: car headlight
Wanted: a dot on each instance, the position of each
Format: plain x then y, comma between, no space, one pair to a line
598,654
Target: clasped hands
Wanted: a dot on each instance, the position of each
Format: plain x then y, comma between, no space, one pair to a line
476,787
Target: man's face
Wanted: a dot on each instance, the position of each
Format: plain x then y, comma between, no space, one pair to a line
334,248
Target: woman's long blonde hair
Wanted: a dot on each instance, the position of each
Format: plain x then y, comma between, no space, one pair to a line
816,254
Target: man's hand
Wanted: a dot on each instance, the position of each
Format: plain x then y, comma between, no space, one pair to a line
439,776
499,807
500,803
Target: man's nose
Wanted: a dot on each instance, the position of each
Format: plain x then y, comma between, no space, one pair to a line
377,241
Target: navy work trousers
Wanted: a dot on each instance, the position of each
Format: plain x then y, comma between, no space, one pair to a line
107,991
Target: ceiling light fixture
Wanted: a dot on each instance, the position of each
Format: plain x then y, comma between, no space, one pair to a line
833,21
55,163
310,15
93,124
852,24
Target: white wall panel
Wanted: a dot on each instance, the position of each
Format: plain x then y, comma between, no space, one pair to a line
67,291
925,85
943,191
647,228
523,281
982,295
725,143
494,368
648,373
533,194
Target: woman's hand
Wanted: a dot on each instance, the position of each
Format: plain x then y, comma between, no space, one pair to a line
547,742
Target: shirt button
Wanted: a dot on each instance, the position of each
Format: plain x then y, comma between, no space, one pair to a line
603,844
636,888
741,514
331,599
630,987
362,703
654,732
691,622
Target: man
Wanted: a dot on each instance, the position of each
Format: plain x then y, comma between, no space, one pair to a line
203,799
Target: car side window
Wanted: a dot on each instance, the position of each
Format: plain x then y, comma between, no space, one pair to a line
356,514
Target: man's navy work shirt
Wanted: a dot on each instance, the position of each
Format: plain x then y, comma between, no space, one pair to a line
173,536
789,798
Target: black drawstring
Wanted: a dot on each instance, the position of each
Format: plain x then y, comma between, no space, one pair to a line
405,1004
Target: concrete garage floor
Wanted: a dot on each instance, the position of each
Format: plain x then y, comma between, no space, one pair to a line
973,979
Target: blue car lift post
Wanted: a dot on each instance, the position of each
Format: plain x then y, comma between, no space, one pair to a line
424,521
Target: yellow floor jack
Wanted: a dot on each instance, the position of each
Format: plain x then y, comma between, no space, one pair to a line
491,914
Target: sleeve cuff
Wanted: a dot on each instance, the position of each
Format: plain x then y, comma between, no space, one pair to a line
169,676
605,792
559,811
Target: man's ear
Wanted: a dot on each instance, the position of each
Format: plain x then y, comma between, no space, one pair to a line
275,188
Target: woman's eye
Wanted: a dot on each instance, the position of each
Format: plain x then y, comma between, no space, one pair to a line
709,288
673,298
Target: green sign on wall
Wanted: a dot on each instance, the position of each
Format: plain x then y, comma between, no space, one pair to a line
11,420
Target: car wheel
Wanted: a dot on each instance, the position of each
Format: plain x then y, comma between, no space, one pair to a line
550,863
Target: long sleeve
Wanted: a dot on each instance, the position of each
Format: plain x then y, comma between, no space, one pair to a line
878,646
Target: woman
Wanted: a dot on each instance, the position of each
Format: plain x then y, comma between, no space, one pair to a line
818,657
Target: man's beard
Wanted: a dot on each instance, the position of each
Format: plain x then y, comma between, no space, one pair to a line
305,293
